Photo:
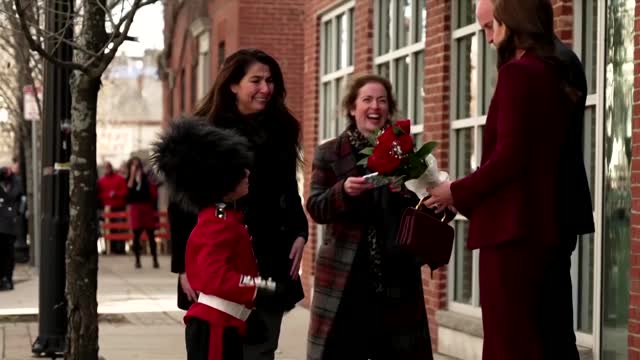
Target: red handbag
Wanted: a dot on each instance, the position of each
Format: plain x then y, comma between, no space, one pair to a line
427,235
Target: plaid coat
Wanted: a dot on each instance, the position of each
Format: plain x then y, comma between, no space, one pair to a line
404,315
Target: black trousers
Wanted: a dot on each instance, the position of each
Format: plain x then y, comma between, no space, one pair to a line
556,313
197,335
137,247
7,255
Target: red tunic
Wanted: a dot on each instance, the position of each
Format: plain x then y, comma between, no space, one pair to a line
218,255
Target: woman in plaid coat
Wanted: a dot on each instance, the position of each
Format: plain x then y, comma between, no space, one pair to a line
368,301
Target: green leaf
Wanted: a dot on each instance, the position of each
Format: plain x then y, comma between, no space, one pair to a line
363,162
367,151
426,149
397,131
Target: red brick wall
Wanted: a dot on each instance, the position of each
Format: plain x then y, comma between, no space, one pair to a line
563,22
436,128
634,296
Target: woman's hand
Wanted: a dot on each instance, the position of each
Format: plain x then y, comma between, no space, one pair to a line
441,197
186,287
355,186
296,255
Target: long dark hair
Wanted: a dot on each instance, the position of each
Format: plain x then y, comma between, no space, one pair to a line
349,100
221,102
529,26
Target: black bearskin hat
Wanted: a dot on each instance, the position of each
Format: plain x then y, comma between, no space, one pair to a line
201,163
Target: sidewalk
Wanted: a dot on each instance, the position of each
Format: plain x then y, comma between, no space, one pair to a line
149,327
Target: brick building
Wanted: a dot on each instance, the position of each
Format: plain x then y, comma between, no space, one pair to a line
443,74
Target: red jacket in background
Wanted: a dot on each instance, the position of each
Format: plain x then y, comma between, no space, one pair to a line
218,256
112,191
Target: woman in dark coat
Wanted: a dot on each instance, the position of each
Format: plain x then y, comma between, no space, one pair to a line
249,97
368,301
142,199
512,199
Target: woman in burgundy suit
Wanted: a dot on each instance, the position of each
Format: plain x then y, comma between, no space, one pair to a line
511,200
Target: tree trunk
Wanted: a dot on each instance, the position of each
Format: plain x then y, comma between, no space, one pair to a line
82,251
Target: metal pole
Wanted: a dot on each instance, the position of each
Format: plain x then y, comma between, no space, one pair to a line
55,185
35,241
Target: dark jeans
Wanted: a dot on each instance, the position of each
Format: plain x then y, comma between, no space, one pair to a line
559,339
197,335
7,255
137,247
267,349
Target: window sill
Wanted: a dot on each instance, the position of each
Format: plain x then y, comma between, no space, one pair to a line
470,325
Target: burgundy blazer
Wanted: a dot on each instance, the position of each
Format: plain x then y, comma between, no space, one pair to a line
514,193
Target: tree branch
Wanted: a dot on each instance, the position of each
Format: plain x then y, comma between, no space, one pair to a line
38,48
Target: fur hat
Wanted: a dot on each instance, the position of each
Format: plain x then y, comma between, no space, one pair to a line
201,163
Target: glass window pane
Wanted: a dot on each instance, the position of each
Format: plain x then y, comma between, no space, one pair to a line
467,76
383,70
343,42
490,73
585,284
384,30
329,110
463,277
590,42
464,152
401,86
327,47
589,148
418,139
619,62
340,89
418,94
352,44
466,12
403,23
420,21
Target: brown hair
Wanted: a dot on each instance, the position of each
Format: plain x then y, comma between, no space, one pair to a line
529,25
349,100
221,103
221,100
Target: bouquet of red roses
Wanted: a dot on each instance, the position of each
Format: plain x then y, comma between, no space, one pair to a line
392,155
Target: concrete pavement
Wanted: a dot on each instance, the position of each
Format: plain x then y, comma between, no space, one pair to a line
140,319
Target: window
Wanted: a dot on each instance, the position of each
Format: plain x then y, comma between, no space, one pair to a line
336,66
203,72
400,33
473,78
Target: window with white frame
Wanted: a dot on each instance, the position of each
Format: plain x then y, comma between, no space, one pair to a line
336,66
473,78
400,33
203,73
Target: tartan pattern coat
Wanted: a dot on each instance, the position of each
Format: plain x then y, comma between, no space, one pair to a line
405,312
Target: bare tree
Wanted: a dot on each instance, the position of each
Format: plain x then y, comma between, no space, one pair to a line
24,68
100,27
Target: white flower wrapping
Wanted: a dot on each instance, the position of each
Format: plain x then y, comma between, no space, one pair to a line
431,178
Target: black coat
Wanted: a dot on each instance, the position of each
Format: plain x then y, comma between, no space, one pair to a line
273,209
9,205
575,198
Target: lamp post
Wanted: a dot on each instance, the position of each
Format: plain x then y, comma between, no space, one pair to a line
56,148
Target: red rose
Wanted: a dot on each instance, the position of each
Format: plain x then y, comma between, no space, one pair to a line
390,150
405,125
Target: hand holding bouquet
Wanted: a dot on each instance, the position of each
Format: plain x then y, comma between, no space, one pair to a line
394,157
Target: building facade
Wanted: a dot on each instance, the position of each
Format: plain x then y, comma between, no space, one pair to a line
443,74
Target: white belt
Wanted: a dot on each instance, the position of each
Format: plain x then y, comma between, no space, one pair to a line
236,310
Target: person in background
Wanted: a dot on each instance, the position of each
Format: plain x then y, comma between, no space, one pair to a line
368,301
10,199
142,197
112,193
